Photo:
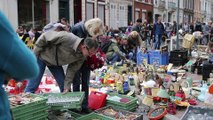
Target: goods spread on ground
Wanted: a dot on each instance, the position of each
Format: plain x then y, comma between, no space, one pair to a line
128,91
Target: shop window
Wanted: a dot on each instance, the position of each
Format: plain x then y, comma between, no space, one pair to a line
64,9
137,15
101,12
89,11
33,13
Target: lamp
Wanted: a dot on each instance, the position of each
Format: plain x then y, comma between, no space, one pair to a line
163,93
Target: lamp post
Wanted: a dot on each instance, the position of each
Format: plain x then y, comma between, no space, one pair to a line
178,15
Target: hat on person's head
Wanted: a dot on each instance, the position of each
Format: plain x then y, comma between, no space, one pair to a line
52,26
139,20
58,25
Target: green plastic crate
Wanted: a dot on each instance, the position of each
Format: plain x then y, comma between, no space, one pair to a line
100,112
74,114
67,105
92,116
132,104
30,107
34,116
31,112
130,108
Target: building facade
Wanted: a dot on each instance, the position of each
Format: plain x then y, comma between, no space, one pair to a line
181,11
36,13
197,10
167,9
206,10
114,13
172,10
188,11
160,10
93,9
212,11
143,9
118,13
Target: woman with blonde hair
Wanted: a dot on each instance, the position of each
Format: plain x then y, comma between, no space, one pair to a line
93,28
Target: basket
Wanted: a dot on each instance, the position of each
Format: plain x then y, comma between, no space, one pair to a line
94,116
188,41
59,101
158,117
120,105
119,113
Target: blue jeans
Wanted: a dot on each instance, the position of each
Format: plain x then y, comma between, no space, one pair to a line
168,34
115,57
57,72
82,76
130,55
4,105
158,39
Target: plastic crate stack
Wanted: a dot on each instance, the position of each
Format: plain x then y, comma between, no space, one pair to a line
59,101
129,106
94,116
115,113
36,110
158,58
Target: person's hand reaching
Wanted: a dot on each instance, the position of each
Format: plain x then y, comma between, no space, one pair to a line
66,90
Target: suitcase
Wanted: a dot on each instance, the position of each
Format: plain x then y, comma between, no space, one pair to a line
179,54
177,62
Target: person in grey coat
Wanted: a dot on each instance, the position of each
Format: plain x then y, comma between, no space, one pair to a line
56,48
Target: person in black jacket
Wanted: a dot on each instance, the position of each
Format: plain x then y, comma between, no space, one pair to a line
198,26
93,28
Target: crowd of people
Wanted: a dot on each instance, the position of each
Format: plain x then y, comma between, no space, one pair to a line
89,45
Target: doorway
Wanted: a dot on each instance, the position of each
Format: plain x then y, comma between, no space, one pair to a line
77,11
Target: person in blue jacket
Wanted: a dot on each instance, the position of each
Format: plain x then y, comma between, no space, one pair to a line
158,31
16,61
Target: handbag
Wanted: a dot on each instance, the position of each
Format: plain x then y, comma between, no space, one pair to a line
181,94
186,88
211,89
96,100
171,92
